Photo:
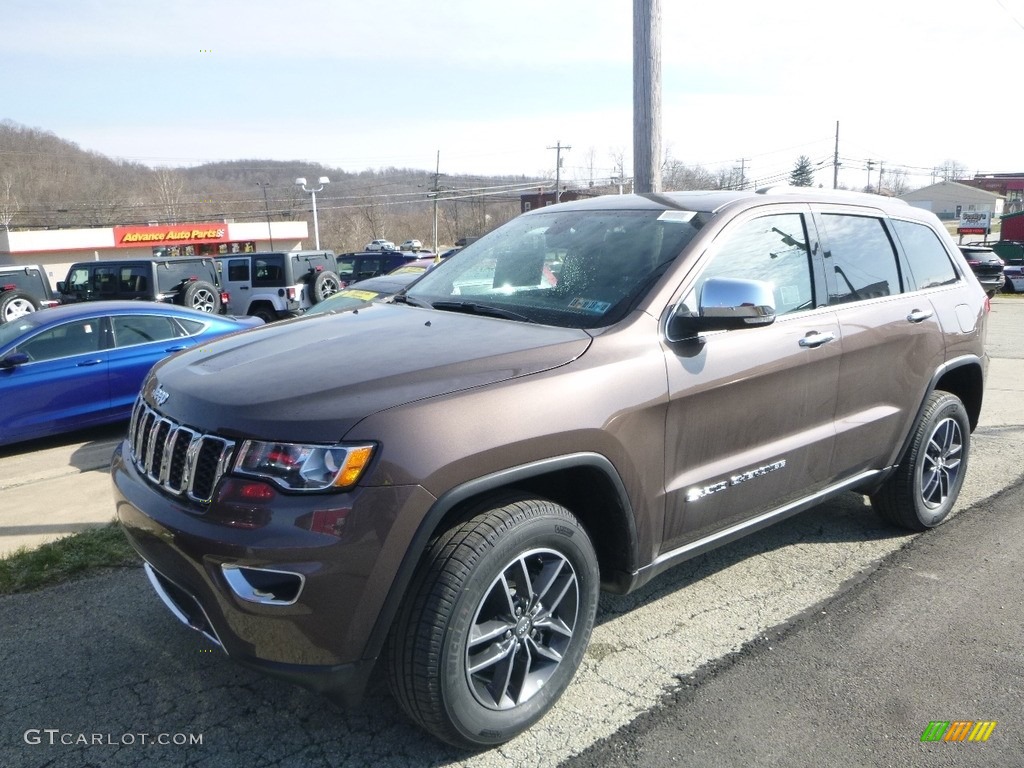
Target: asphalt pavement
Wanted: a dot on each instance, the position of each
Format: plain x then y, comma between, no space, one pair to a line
932,636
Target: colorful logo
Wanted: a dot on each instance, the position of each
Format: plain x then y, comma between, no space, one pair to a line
958,730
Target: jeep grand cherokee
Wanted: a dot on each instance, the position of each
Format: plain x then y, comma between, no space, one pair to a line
579,400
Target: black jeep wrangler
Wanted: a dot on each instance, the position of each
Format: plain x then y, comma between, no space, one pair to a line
190,282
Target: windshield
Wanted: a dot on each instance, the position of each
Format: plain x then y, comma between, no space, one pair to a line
20,326
570,268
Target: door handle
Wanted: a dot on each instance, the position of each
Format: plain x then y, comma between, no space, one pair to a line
90,362
919,315
815,339
177,348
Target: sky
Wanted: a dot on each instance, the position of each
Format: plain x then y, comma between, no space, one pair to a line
482,87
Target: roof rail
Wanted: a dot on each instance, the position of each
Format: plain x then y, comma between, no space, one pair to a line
842,194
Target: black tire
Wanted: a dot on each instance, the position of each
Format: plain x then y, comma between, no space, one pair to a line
201,295
1008,286
15,304
478,580
924,487
323,285
264,312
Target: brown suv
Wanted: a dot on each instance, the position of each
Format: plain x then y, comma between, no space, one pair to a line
581,399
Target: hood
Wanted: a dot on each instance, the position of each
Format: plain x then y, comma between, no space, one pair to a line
314,378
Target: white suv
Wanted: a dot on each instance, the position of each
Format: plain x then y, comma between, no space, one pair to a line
380,245
273,286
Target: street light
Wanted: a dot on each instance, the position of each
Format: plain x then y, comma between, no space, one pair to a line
301,181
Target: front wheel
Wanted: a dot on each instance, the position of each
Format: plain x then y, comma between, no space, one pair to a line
924,487
496,624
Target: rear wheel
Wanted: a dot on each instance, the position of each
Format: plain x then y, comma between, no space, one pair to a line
496,625
264,312
324,284
201,295
922,491
15,304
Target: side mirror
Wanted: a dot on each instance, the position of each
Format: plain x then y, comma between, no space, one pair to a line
14,359
724,304
60,286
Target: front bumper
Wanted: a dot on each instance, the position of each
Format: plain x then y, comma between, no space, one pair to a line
324,635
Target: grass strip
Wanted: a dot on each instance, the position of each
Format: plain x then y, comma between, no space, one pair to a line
56,562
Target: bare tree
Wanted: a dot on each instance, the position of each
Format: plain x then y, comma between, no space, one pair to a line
951,170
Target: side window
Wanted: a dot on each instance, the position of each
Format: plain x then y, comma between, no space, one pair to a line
346,268
143,329
238,270
773,249
133,279
77,338
929,262
79,279
105,280
861,260
268,270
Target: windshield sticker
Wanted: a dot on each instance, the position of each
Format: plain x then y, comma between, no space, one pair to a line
681,216
357,294
589,305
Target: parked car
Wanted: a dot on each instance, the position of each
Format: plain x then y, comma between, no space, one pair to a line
986,265
279,284
360,294
587,396
81,365
185,280
380,245
23,289
353,267
411,245
1013,278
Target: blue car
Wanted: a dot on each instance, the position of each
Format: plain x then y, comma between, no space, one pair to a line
76,366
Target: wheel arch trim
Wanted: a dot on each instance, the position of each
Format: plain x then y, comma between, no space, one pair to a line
475,488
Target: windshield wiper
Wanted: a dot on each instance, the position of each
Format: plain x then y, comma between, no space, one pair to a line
471,308
401,298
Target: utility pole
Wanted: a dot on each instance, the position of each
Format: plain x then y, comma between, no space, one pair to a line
558,169
647,95
743,173
266,205
880,163
835,161
435,190
871,164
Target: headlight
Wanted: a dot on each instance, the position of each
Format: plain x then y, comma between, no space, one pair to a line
298,467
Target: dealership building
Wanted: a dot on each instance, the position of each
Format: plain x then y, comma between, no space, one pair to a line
57,249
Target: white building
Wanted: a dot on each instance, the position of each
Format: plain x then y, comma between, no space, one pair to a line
56,249
949,200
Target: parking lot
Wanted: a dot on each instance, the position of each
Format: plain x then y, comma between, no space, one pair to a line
104,657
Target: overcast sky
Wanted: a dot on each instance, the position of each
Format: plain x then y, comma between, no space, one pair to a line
492,85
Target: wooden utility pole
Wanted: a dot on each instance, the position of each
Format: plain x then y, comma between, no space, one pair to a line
835,161
647,95
558,169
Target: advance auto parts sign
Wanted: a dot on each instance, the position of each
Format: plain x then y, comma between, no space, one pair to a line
170,234
973,223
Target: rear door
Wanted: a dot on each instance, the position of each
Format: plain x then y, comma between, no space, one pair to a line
892,340
140,341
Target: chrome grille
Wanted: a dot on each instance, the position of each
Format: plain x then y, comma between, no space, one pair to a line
179,460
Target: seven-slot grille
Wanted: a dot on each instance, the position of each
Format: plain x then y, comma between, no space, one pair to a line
179,460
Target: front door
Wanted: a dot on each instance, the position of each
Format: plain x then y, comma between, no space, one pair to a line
750,420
